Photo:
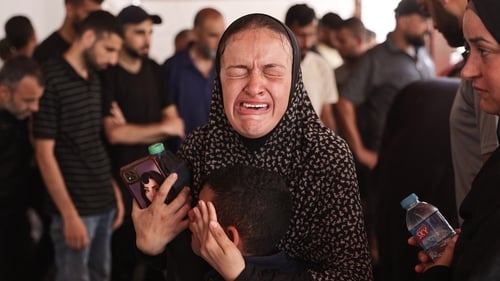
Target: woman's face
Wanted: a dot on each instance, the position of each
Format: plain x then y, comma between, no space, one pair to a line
150,189
483,63
256,77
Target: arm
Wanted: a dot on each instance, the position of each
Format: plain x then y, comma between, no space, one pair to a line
118,131
75,231
120,208
347,121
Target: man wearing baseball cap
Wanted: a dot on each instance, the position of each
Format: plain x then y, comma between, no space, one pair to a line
138,112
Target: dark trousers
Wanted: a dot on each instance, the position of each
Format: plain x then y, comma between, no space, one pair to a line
16,246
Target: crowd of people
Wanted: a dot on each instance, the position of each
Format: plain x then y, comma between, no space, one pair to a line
293,130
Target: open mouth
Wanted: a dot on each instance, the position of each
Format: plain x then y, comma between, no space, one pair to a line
254,106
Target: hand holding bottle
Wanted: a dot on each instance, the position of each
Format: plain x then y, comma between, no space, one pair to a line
426,262
427,225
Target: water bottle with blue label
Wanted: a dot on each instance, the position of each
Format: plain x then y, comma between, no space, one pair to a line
427,225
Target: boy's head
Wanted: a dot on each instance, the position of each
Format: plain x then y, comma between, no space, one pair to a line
253,203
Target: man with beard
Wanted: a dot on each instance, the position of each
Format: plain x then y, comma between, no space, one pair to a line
378,77
319,77
21,87
86,203
138,112
190,73
352,43
60,40
472,131
367,95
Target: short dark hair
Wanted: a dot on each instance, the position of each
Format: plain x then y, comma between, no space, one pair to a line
300,14
80,2
18,30
331,21
182,33
101,22
16,68
256,201
356,26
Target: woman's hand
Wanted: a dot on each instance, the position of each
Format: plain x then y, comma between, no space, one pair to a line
160,223
445,259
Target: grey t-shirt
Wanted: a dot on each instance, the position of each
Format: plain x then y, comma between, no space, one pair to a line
376,80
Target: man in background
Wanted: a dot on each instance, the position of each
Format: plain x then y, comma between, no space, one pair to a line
190,73
378,77
138,111
318,76
21,87
352,43
86,202
60,40
327,39
182,40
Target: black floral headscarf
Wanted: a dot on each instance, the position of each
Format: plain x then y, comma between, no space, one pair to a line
327,230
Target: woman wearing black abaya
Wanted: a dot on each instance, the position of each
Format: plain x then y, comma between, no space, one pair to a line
261,116
475,253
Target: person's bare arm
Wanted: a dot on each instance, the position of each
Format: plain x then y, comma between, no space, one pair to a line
120,208
119,131
75,232
347,121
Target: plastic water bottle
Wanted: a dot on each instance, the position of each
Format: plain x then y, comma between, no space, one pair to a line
158,150
170,163
427,225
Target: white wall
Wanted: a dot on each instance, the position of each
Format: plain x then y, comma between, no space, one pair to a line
47,15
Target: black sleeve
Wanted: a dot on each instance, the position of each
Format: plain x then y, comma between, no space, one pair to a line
254,273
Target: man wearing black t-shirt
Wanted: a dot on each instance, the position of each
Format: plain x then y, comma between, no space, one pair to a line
20,90
138,112
86,204
60,40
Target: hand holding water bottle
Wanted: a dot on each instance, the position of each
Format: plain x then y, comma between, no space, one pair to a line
426,261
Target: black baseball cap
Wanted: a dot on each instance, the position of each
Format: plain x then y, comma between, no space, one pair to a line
408,7
135,14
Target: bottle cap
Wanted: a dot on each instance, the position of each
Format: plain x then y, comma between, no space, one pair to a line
156,148
409,200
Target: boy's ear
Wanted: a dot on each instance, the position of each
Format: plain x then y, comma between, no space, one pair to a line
234,236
